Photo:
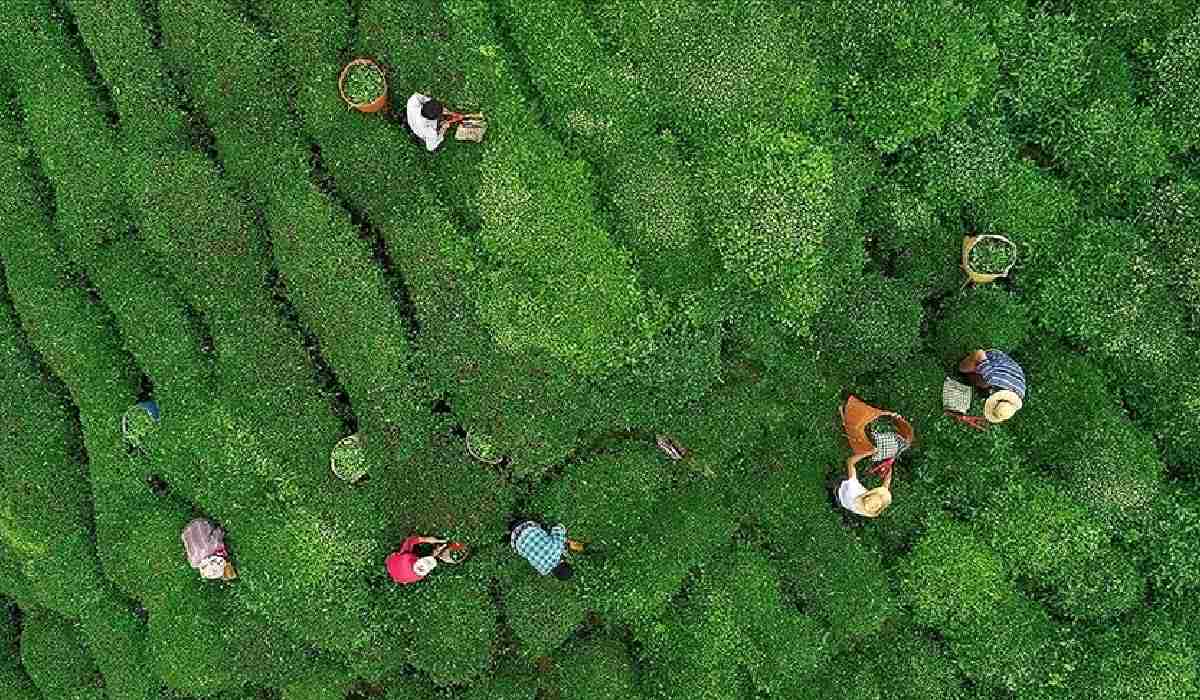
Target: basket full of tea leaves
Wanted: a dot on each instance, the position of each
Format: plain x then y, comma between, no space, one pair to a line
991,258
137,424
988,258
348,460
363,85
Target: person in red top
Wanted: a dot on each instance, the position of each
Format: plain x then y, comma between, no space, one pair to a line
405,566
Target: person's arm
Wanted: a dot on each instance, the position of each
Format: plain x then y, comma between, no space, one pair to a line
851,472
432,142
408,544
559,532
216,539
971,362
887,481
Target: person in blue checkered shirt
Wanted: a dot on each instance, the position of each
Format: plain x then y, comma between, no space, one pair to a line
543,550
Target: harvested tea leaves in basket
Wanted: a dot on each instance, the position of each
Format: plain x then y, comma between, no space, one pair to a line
991,257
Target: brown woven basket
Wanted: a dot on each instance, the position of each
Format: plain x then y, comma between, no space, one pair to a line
970,242
375,105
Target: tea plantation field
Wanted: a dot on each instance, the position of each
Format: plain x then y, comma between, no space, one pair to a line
711,220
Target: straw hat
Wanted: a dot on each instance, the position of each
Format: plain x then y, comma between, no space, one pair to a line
212,568
874,502
424,565
1001,406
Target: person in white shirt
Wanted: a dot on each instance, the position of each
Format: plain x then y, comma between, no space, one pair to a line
857,499
424,116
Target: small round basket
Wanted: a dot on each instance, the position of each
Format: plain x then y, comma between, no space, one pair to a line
479,455
455,553
380,102
969,242
139,422
348,459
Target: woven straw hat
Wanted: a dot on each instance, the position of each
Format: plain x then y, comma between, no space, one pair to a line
874,502
424,565
212,568
1001,406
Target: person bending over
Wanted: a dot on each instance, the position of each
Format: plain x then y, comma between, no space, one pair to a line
857,499
428,120
543,550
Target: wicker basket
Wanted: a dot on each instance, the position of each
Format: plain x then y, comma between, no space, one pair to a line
149,408
956,396
376,105
343,472
857,415
471,129
479,458
455,553
970,242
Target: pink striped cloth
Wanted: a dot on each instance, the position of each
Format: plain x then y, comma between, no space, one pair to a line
202,539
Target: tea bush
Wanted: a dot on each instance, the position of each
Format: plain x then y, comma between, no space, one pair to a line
690,649
586,94
1118,467
14,680
598,669
1033,209
1169,217
622,484
317,689
311,237
1177,88
584,306
1140,330
542,612
704,71
923,663
56,658
1140,28
1150,659
368,163
1046,73
1172,569
1107,269
872,74
770,229
837,578
457,655
1115,152
44,503
1071,401
957,586
232,319
1062,549
981,318
502,686
712,221
871,327
633,581
783,646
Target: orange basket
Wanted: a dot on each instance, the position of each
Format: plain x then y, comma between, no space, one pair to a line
375,105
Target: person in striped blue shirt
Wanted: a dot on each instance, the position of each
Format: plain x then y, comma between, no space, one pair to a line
996,372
